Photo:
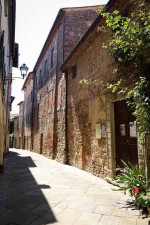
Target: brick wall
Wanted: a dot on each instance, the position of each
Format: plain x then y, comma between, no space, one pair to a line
50,93
87,108
28,92
77,21
74,24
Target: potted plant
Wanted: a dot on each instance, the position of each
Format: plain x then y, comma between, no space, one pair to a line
133,179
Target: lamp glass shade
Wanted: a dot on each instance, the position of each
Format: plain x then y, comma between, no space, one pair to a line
24,70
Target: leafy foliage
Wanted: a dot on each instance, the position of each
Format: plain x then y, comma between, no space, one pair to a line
134,181
138,98
132,176
141,103
130,35
129,44
143,200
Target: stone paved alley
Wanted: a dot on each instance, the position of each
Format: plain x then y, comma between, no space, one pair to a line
36,190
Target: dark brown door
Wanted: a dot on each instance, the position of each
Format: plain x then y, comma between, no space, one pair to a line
126,135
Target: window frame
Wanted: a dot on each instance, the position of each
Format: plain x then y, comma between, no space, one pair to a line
74,71
52,57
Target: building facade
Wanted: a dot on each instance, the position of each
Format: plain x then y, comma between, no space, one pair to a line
16,132
83,125
28,97
21,128
8,59
49,87
100,125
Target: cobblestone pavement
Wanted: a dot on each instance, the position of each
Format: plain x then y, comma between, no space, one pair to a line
38,191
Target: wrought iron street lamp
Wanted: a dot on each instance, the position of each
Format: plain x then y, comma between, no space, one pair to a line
23,70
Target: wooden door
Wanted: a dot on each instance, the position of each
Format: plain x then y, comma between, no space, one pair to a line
126,135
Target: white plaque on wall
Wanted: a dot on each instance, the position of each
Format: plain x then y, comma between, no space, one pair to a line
98,131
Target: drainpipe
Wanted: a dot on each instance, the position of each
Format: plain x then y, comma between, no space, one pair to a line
66,97
66,119
22,128
32,112
54,153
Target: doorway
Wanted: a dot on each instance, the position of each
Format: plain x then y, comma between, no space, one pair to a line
125,134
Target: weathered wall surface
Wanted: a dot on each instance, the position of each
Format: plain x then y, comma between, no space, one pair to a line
87,108
44,101
74,24
50,91
28,92
77,21
1,124
16,132
21,125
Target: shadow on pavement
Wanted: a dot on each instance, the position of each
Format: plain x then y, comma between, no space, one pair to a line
130,204
21,199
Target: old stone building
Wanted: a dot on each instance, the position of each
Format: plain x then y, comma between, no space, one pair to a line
28,97
83,125
21,141
49,87
100,128
8,59
16,132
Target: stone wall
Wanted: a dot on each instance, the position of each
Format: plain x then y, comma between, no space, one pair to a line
87,109
74,24
28,94
44,101
77,22
21,125
16,134
50,92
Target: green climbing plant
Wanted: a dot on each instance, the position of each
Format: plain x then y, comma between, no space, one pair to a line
129,44
130,34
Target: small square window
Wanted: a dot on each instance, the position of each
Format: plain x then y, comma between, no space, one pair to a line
74,71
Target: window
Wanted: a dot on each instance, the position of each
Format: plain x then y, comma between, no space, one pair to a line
40,77
59,97
74,71
45,68
35,82
50,102
42,106
31,95
52,58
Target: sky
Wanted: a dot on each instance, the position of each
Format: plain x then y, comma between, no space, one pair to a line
34,19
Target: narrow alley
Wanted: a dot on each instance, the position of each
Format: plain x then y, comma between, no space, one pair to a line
38,191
